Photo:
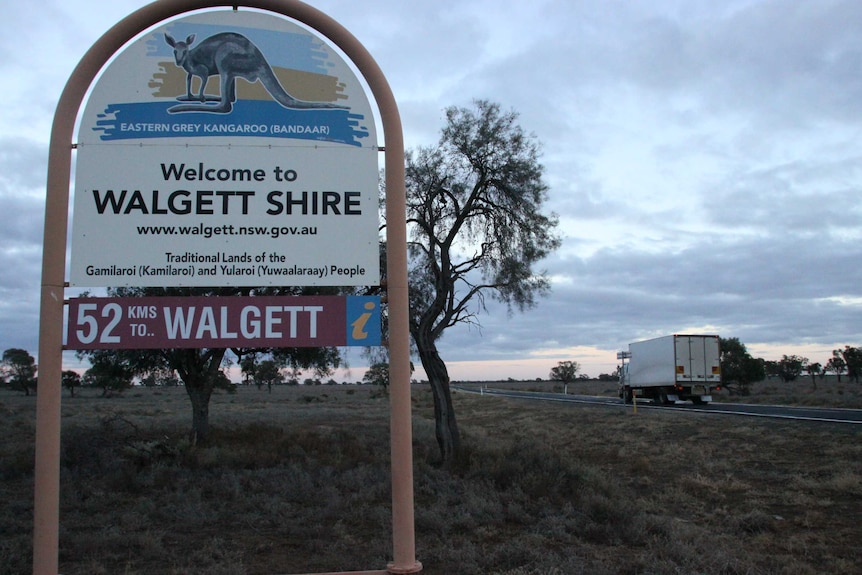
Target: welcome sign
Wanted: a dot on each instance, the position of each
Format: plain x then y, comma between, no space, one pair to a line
228,148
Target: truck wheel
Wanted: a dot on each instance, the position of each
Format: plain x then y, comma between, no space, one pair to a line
661,397
627,395
698,401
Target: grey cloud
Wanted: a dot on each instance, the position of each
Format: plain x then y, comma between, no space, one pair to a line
807,195
704,156
22,165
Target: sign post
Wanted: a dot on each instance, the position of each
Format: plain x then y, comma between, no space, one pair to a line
265,188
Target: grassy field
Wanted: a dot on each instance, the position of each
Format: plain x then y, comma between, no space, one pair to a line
298,482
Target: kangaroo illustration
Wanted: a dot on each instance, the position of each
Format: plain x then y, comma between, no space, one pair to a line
230,56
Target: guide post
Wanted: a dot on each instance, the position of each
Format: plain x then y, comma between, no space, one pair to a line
223,205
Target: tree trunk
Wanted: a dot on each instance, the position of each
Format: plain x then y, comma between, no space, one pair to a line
199,371
200,398
446,427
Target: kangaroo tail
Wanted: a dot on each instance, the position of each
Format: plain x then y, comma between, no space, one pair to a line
277,91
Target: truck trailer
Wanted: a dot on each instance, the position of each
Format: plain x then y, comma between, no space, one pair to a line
671,368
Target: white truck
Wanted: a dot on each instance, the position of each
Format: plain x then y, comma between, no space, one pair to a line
671,368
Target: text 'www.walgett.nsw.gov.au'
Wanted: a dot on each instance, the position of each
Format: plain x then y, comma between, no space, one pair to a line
227,230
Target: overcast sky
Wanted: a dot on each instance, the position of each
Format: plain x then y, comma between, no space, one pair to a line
705,159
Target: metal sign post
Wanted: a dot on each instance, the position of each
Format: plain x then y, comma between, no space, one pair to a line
47,470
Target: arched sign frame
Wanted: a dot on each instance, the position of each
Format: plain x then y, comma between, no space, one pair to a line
48,412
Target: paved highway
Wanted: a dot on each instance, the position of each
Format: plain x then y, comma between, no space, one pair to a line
830,415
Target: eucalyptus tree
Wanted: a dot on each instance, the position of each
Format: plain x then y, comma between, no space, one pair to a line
71,380
814,369
111,370
738,369
836,364
791,366
852,360
565,372
269,374
200,370
18,369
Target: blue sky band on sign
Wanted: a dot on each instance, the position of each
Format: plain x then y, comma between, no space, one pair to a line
270,83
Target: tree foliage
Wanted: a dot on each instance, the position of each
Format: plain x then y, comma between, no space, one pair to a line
565,371
71,380
321,361
377,374
111,370
771,368
852,357
477,229
815,369
791,367
248,367
268,373
836,364
18,368
738,369
162,376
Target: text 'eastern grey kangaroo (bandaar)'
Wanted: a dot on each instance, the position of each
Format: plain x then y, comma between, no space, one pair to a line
229,56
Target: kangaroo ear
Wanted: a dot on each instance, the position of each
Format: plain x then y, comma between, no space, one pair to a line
170,41
190,39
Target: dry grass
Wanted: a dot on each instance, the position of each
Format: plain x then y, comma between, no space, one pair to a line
298,481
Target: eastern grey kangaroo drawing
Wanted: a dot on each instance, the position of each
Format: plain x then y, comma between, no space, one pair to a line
230,56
